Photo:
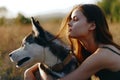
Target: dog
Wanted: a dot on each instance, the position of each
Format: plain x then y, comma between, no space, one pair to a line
43,47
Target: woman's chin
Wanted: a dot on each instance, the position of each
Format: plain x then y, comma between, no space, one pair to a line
71,36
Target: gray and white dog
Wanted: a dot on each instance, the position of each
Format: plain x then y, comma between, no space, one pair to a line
41,46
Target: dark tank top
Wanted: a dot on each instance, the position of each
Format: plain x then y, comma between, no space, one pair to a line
107,74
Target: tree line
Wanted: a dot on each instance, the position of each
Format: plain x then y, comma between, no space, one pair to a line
20,19
111,9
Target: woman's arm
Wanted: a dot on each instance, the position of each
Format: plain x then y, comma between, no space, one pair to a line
89,67
29,73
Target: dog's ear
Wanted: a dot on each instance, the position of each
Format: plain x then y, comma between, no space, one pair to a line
37,29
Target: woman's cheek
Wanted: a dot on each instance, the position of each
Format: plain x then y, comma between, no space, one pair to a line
73,34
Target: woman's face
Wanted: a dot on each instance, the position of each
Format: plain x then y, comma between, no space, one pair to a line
78,25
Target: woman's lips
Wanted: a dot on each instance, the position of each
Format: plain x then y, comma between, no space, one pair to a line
70,29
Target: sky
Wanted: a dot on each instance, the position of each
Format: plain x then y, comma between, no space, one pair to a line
37,7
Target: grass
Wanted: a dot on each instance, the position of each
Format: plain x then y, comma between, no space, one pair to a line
11,37
115,30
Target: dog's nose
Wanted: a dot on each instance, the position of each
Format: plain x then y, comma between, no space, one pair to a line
10,55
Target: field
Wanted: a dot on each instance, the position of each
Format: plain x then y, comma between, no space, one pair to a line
11,37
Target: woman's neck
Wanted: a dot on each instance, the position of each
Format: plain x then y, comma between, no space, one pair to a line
89,44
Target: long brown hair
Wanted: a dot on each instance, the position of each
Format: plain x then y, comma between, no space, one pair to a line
102,34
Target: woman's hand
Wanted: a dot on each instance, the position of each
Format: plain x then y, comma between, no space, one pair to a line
29,73
44,75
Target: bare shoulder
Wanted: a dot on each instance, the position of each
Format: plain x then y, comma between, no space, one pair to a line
103,58
110,57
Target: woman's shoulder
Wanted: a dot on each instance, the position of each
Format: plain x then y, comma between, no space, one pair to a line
107,49
109,56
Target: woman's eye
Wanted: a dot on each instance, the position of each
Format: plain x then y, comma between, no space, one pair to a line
75,19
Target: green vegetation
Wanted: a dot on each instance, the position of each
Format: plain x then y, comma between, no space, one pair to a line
111,9
21,19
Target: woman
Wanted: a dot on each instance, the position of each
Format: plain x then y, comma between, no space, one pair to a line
92,43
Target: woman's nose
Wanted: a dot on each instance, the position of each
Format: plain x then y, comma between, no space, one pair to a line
69,24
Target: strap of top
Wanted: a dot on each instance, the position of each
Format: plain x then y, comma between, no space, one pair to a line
111,50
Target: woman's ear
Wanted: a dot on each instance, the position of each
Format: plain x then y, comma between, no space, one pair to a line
92,26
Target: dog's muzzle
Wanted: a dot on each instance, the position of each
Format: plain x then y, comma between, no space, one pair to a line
22,61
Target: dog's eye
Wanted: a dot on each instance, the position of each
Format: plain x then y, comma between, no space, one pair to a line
24,43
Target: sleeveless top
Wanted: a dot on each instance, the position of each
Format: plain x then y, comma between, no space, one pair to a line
107,74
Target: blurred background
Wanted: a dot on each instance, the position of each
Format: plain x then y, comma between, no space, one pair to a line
15,24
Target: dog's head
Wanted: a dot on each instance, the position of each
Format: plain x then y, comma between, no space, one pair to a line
32,47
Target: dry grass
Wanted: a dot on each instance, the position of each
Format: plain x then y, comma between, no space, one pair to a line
10,39
115,30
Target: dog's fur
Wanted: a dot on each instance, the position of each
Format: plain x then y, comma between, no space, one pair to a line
38,46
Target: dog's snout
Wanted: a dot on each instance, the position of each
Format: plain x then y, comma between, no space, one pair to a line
10,55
